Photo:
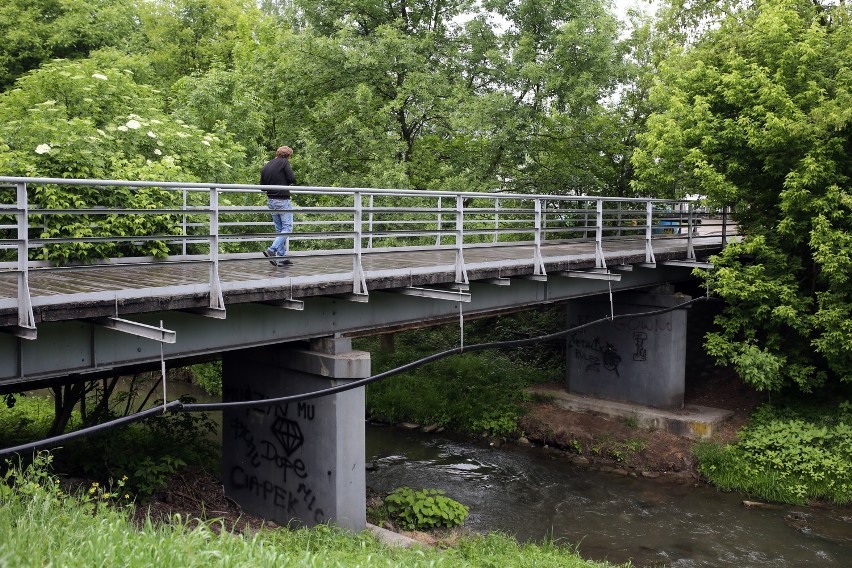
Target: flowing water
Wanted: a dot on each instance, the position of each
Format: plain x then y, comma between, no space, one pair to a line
535,494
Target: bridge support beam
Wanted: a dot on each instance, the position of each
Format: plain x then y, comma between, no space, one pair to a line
299,463
638,360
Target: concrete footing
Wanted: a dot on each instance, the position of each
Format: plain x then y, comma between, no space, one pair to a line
691,421
299,463
638,360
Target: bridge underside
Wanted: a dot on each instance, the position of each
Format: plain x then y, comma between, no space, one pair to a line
81,349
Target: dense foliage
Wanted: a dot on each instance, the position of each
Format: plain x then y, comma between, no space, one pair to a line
503,95
792,454
481,392
755,114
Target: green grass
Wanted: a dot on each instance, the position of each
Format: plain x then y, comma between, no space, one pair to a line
28,419
39,527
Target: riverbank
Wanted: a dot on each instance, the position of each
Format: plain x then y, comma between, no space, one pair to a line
622,447
613,447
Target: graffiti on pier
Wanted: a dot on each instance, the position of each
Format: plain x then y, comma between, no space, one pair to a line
272,439
596,354
641,352
643,324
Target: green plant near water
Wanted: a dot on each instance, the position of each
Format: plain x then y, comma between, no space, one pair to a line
425,509
72,531
479,392
790,454
208,376
148,453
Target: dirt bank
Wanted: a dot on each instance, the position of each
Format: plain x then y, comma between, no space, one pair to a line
619,446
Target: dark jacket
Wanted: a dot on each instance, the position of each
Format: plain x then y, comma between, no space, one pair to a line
277,172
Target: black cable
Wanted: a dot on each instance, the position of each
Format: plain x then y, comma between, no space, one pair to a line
92,429
178,406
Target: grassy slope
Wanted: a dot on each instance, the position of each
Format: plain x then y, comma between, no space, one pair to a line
39,528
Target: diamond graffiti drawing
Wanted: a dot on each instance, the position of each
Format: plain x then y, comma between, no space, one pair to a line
289,434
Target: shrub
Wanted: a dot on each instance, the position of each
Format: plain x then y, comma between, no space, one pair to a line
789,454
424,509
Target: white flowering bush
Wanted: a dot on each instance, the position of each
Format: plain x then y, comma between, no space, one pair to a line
77,119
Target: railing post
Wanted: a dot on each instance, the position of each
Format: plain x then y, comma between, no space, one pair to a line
496,218
649,219
724,225
440,220
538,259
359,282
619,219
370,224
600,262
183,223
461,273
690,250
26,319
217,301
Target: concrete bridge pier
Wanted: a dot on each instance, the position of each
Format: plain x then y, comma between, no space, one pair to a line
636,360
298,463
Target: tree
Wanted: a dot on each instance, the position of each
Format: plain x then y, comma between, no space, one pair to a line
35,31
85,119
757,115
189,37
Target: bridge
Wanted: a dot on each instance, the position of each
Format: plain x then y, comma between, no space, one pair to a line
81,296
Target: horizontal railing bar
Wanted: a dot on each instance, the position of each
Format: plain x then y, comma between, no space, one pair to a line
322,190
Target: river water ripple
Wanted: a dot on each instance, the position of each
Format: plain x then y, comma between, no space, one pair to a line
534,495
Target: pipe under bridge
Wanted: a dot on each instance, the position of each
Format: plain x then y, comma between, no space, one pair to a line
364,261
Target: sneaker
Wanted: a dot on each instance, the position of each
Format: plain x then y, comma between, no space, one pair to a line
285,262
268,254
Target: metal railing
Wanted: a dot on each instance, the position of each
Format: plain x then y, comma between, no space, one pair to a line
47,223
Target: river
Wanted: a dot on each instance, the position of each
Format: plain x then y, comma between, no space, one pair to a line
537,494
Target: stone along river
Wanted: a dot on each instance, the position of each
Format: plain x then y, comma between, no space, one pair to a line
536,494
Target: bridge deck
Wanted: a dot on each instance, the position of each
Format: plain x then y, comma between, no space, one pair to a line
61,293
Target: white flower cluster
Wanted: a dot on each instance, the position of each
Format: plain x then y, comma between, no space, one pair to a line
43,149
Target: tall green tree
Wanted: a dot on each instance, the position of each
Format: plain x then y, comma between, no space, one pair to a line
189,37
757,114
34,31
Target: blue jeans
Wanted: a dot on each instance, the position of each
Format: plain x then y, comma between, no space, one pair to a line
283,225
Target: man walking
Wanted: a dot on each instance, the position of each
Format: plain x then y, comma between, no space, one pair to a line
278,172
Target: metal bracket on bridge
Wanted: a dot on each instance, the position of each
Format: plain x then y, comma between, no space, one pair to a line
211,312
287,304
21,331
135,328
688,264
498,281
590,274
361,298
623,267
433,293
646,264
534,277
